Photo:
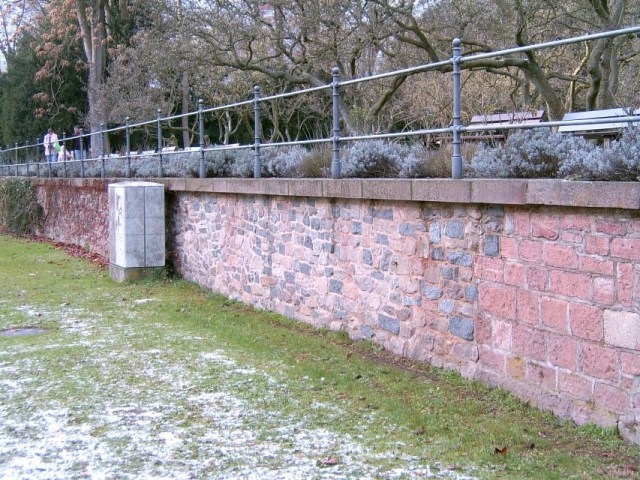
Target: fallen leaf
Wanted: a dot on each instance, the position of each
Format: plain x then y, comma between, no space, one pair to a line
328,462
501,451
349,355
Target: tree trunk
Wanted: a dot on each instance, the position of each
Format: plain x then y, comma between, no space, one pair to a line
91,20
186,137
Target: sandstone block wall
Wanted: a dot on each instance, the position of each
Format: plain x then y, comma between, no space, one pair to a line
529,285
542,301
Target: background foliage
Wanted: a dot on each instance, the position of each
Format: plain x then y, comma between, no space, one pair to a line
92,62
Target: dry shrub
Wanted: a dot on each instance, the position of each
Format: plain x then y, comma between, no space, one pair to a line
317,164
438,160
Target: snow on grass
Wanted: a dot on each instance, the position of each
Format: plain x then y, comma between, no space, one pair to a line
90,404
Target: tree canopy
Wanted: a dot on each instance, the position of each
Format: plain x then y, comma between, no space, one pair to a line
98,61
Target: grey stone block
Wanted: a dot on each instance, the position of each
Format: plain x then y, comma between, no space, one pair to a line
491,246
461,327
454,229
461,258
389,324
335,286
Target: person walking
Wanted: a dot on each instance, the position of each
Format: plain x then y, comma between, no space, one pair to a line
50,140
79,144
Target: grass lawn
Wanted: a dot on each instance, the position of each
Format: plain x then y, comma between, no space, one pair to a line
163,379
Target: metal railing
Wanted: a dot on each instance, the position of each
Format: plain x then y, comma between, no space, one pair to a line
27,159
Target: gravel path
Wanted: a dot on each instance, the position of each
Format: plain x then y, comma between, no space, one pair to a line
85,402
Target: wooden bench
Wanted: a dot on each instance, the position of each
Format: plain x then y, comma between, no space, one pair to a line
494,123
602,132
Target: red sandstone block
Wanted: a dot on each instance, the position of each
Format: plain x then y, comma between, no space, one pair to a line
489,268
604,290
516,368
563,351
625,248
537,278
501,334
541,376
611,227
570,284
514,274
497,300
553,313
624,279
560,255
529,343
522,223
509,248
575,386
585,321
528,307
611,397
531,251
630,363
597,245
571,237
492,359
598,265
599,362
579,222
545,226
482,329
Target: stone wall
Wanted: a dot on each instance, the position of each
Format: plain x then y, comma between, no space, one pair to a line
529,285
75,211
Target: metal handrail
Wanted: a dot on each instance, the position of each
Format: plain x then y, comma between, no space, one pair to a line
453,65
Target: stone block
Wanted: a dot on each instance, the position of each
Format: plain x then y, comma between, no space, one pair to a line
342,188
441,190
584,194
305,188
198,185
386,189
461,327
498,300
389,324
499,191
454,229
622,329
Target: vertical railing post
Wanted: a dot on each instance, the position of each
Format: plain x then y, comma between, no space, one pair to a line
82,153
160,172
16,157
336,166
36,157
257,129
456,159
203,170
26,157
47,159
127,146
64,155
103,172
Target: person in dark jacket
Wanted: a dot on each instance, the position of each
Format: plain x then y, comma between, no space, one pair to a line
79,144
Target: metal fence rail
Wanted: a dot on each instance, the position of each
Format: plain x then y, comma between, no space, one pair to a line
26,159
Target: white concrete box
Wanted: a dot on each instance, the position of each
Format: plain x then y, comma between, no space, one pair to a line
136,225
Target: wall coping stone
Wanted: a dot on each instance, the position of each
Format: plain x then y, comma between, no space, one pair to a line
534,192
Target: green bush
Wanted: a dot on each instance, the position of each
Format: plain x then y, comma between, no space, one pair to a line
20,213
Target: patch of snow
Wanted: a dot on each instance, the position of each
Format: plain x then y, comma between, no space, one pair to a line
155,417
